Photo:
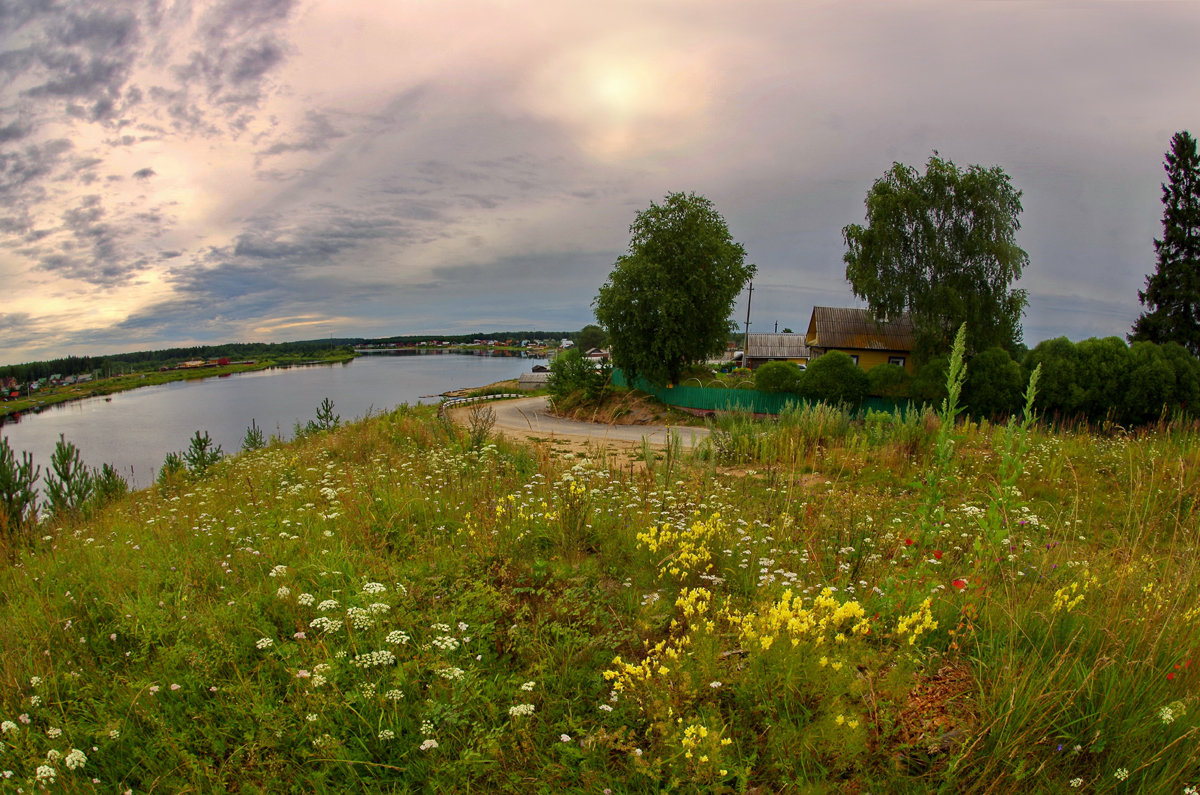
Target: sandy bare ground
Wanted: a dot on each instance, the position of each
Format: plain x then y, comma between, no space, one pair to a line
527,419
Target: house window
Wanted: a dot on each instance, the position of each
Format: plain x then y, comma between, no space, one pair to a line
854,356
896,360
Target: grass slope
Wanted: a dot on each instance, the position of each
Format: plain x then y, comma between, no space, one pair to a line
382,608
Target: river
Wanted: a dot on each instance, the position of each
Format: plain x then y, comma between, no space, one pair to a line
135,430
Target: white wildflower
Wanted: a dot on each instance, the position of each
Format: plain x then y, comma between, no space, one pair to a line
76,759
429,744
521,710
264,643
305,599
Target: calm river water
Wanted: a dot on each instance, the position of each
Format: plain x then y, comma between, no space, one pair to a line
135,430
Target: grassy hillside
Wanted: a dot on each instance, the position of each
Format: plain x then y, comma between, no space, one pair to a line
884,607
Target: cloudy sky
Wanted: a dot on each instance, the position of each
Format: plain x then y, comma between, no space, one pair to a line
186,171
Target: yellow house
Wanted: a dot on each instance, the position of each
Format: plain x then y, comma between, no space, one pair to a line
853,332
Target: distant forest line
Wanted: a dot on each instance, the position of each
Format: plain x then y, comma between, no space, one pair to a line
279,351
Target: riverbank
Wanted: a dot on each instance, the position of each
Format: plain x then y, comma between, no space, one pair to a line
50,396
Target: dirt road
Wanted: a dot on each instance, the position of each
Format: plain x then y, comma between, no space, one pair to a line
527,418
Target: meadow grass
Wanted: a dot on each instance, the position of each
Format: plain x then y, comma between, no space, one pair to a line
392,605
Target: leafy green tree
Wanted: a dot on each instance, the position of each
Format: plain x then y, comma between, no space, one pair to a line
667,302
778,377
1172,294
1059,393
833,377
591,336
929,382
941,246
1104,366
994,384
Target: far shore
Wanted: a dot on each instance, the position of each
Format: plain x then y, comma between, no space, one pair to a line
50,396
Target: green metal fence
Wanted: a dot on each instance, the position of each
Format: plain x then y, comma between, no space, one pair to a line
748,400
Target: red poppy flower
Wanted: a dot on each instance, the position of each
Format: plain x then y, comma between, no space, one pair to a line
937,553
960,584
908,542
1170,676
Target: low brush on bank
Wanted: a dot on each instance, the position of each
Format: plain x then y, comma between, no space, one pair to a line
385,607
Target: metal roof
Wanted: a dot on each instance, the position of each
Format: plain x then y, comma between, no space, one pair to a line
836,327
776,346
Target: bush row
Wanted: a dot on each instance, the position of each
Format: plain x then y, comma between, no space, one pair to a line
1099,380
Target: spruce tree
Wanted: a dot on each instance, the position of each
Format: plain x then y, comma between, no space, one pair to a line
1172,294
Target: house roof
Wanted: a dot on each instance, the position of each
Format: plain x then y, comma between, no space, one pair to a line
837,327
776,346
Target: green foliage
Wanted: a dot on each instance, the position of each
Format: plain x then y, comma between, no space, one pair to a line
993,385
929,384
1104,366
833,377
942,247
173,466
107,485
457,620
69,483
888,380
1104,380
201,454
591,336
1172,292
667,302
254,439
572,373
18,496
938,472
326,419
1060,393
778,377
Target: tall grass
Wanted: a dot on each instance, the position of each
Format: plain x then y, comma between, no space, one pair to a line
390,605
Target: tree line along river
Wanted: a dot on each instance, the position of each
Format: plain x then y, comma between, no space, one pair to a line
135,430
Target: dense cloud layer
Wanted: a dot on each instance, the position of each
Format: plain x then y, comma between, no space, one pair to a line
184,170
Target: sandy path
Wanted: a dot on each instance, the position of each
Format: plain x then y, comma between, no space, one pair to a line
527,419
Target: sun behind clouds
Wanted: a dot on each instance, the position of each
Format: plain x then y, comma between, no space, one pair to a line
624,98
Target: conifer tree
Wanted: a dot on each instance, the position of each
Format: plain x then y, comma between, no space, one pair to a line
1172,294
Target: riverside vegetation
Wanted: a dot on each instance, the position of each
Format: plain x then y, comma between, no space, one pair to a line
902,603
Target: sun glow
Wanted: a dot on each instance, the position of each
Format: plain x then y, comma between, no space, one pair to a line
621,99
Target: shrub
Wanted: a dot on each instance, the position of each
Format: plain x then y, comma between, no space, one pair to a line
1059,387
1187,375
888,380
994,384
1104,366
778,377
929,384
107,485
1151,385
834,378
571,372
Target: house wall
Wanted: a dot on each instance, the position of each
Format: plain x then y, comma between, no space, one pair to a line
869,359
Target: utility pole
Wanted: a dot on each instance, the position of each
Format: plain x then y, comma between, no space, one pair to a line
746,342
776,326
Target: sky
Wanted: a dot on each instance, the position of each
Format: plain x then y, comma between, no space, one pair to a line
177,172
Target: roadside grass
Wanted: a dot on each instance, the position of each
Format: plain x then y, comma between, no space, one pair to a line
389,605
